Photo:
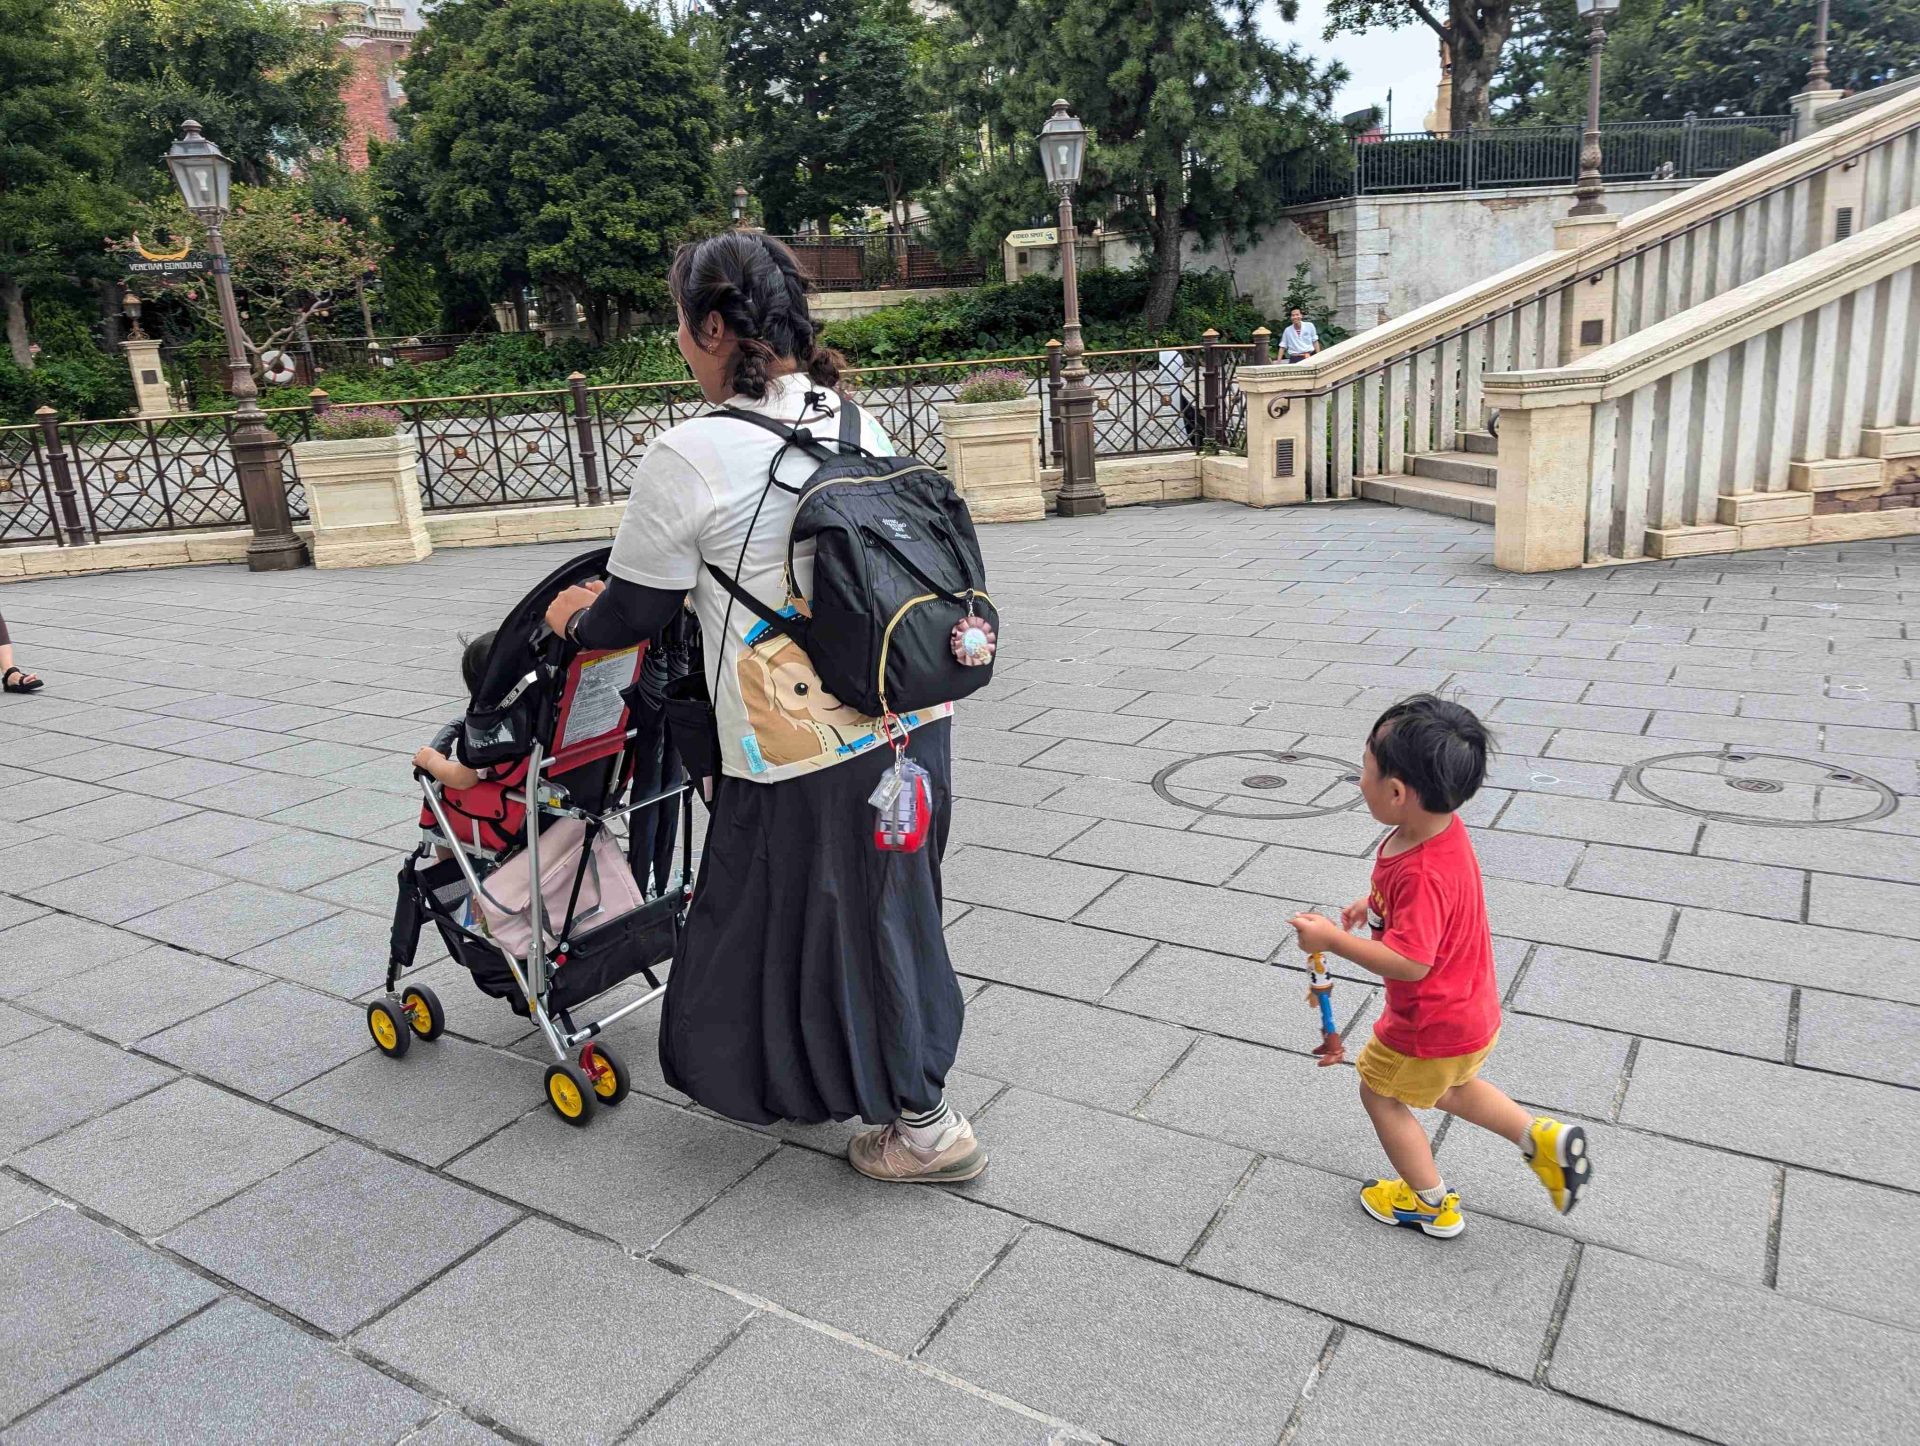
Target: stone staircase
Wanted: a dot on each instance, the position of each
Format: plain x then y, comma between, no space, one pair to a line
1456,484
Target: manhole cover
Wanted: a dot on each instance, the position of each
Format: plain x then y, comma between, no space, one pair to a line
1219,784
1772,790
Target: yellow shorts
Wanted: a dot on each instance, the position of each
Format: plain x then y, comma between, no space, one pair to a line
1417,1082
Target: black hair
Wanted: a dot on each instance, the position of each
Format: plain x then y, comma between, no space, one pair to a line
759,291
1436,747
473,662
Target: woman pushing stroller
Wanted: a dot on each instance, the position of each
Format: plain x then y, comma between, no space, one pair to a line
812,980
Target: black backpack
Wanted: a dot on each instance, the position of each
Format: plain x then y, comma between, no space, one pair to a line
896,568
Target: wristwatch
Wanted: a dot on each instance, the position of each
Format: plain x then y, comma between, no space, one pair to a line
571,631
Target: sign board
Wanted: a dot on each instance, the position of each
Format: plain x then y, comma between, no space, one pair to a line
1039,236
173,267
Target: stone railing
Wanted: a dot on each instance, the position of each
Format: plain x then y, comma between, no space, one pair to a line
1780,412
1412,385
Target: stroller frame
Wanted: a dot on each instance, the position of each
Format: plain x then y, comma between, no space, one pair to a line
534,974
574,1082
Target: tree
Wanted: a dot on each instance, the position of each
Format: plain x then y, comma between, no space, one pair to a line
289,263
787,72
889,124
55,202
1195,116
1710,57
264,85
1473,34
569,145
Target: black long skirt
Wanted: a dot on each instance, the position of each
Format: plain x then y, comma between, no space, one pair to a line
812,980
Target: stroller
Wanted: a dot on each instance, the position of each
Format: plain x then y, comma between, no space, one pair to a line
539,901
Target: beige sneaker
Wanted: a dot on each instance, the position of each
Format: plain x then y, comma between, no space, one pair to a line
887,1154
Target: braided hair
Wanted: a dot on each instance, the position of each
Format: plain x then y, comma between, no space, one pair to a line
760,293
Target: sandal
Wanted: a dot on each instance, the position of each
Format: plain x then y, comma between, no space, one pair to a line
19,680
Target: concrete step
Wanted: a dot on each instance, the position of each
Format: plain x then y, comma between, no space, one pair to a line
1483,443
1431,494
1470,467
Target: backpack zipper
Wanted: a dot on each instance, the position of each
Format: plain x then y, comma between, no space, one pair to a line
886,638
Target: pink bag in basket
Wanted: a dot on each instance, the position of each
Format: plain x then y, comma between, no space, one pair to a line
608,890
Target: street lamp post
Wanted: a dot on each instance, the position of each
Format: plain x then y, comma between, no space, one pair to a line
1588,189
1818,77
205,177
1063,151
739,205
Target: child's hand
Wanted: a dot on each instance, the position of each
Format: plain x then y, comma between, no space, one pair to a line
1354,915
1316,933
425,759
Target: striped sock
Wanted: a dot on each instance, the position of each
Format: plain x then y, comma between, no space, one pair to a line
929,1128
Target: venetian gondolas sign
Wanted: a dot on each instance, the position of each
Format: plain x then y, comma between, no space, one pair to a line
165,263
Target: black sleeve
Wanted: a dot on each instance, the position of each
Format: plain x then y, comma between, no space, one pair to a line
627,613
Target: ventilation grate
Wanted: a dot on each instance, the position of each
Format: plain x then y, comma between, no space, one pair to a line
1283,457
1843,223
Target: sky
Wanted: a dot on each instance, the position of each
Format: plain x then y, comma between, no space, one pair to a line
1404,61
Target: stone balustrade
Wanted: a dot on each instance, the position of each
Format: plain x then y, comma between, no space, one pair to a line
1412,385
1786,410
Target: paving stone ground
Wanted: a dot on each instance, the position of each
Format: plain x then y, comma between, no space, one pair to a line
223,1217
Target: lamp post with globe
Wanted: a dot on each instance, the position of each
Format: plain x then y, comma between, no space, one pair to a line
205,179
1063,152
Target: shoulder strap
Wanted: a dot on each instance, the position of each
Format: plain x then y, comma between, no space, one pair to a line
795,628
849,424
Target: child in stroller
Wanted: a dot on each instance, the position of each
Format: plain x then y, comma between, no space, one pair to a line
522,871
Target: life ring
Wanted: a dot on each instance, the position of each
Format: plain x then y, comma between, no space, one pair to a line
277,366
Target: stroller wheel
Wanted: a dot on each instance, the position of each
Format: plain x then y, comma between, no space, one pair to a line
570,1094
608,1074
388,1026
424,1013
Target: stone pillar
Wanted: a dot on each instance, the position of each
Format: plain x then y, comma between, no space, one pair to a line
363,495
1836,204
1362,242
1540,511
993,457
1586,308
1807,107
149,381
1276,432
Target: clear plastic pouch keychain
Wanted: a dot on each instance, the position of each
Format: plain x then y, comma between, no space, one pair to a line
903,805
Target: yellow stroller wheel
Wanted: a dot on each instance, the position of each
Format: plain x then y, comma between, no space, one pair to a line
609,1076
570,1093
423,1010
388,1026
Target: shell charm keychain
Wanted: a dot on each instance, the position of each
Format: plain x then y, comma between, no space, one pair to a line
973,641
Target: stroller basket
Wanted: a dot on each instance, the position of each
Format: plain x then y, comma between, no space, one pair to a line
596,960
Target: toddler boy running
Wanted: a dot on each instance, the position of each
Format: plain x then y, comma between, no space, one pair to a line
1430,943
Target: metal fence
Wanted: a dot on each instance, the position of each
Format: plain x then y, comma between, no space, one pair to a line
84,481
1495,157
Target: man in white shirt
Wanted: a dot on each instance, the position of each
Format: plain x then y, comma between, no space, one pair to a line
1301,339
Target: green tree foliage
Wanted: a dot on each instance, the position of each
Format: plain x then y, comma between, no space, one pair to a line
1474,32
1195,115
564,144
1710,57
264,85
832,102
56,201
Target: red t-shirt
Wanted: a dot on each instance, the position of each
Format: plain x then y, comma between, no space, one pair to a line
1427,905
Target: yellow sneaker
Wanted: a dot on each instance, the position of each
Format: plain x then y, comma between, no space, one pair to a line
1392,1202
1558,1155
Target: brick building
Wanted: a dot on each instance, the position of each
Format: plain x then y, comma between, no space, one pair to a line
376,37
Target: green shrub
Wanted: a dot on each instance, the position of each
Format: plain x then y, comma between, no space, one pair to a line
1019,318
350,423
87,384
996,384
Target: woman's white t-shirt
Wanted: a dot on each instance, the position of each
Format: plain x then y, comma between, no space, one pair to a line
691,503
